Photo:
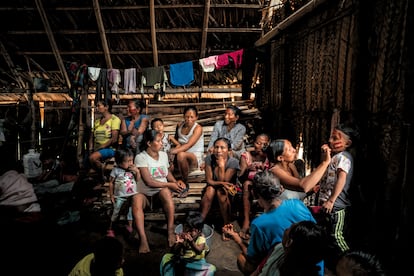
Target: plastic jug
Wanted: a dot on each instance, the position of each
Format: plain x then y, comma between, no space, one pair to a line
32,164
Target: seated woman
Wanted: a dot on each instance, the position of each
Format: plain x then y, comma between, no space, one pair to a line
104,138
156,180
267,229
284,157
221,176
231,129
189,154
251,162
134,125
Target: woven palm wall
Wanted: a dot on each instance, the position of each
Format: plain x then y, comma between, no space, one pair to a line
348,61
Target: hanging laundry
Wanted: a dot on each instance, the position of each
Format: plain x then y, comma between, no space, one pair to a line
182,74
237,57
208,64
154,76
94,73
222,61
130,80
102,86
78,75
114,77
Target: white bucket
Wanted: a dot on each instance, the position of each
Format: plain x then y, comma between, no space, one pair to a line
208,232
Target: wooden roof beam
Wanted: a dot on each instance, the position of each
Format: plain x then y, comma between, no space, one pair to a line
137,7
153,33
52,42
121,52
205,29
102,34
11,65
141,31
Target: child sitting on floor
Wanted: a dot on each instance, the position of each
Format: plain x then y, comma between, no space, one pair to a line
189,251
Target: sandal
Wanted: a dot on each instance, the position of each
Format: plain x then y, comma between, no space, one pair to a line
184,193
243,233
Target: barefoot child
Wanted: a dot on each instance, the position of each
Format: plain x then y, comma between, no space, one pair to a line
189,251
122,186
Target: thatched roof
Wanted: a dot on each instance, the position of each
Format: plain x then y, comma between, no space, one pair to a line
41,37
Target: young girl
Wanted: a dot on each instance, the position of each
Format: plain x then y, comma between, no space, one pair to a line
167,139
122,186
221,176
189,250
251,162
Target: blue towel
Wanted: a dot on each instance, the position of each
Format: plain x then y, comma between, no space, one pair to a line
181,74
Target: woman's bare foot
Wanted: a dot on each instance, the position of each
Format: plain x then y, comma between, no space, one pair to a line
144,248
171,239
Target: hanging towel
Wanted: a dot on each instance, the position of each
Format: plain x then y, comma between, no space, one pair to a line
208,64
237,56
222,61
154,76
182,74
130,80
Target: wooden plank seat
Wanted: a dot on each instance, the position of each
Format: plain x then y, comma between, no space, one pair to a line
171,114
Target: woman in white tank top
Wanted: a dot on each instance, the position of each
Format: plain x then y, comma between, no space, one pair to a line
190,152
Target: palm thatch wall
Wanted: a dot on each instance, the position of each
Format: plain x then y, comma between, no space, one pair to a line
347,61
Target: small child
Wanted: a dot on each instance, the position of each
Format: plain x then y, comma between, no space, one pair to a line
189,250
333,195
107,258
122,186
158,125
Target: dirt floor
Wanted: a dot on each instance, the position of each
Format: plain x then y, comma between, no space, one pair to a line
44,247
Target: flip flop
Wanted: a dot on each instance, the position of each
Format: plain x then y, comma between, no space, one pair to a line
184,193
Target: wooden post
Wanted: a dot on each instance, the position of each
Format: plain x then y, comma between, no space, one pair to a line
33,137
81,133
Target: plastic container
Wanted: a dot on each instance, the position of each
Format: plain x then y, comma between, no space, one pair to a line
32,164
208,232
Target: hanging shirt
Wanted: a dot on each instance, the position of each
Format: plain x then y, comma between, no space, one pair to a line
208,64
182,74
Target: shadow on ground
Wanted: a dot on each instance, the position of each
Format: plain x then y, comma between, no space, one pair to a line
44,247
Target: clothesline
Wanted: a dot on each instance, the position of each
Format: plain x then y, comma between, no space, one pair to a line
181,74
168,65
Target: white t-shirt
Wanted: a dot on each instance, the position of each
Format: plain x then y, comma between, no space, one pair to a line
124,183
157,168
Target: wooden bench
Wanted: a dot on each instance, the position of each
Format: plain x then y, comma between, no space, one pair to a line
209,113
